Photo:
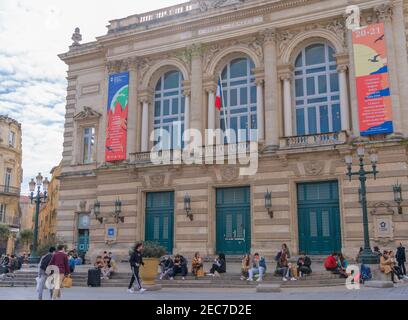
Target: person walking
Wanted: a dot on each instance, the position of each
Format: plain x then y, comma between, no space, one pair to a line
400,256
42,275
60,260
136,260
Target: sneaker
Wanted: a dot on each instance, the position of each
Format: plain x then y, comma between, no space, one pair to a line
293,279
406,277
183,278
171,278
242,278
130,291
161,277
284,279
210,274
250,279
142,290
259,280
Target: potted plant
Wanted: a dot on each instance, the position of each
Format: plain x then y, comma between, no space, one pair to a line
152,252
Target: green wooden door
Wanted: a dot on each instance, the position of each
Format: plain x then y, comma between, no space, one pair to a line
160,218
319,217
83,240
233,235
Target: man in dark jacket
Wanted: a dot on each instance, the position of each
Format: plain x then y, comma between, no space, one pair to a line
180,266
42,275
60,260
136,260
400,256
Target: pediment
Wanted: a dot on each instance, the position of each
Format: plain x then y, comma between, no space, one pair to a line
87,113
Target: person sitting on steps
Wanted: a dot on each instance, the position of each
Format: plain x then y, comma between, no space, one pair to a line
304,264
331,263
258,266
342,265
219,266
283,268
197,265
180,266
166,266
245,266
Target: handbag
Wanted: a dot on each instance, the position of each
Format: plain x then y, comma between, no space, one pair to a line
67,282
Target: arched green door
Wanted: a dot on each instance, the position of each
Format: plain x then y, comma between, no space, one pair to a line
319,217
159,218
233,235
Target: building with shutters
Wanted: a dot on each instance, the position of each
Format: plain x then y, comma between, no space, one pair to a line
287,70
10,179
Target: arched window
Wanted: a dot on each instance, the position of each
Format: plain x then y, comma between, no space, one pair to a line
317,90
169,108
239,98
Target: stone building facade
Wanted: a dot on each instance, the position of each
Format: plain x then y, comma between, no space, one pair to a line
10,178
262,50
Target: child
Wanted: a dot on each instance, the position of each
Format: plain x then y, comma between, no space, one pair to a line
245,267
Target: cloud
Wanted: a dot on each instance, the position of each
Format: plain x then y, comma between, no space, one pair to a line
32,78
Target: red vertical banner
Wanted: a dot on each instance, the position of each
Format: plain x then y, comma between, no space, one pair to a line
373,91
116,128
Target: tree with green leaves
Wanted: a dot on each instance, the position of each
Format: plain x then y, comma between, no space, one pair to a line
26,236
4,232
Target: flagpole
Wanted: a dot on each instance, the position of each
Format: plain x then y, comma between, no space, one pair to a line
223,103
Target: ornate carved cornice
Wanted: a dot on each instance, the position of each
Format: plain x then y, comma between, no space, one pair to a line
268,35
384,11
122,65
86,114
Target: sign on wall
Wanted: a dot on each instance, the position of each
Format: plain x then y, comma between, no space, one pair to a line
116,129
373,91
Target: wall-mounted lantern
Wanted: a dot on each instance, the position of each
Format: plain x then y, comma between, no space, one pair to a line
187,207
97,211
118,211
268,202
398,196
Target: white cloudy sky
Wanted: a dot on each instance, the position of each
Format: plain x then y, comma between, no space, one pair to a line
32,78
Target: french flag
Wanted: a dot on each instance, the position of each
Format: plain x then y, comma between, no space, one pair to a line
218,97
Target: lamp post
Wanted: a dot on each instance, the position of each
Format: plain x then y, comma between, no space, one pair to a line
367,256
35,186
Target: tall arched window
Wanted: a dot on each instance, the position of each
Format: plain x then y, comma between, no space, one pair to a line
317,90
239,98
169,108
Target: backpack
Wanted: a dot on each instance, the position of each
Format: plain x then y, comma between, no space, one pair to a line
365,273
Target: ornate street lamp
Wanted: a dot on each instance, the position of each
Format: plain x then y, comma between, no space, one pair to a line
38,198
367,256
118,210
187,206
268,202
398,196
97,211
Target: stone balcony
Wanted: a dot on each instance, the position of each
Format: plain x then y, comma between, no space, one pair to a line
13,222
314,140
9,191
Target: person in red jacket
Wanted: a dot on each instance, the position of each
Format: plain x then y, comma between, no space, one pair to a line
60,260
331,263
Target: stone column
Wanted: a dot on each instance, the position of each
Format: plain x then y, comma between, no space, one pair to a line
384,13
145,126
196,88
260,109
400,41
287,103
186,112
271,89
344,99
211,109
132,111
353,88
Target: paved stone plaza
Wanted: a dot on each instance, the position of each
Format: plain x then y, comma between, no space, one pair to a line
400,292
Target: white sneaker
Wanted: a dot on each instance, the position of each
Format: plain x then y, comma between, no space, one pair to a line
293,279
250,279
161,277
210,274
242,278
284,279
142,290
130,291
171,278
259,280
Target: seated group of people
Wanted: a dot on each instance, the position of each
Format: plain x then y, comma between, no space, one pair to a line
170,268
337,264
388,265
257,266
106,264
